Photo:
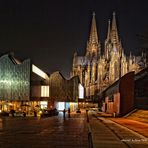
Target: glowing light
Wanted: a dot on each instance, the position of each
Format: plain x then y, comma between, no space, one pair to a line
39,72
73,106
81,91
43,104
44,91
61,105
40,112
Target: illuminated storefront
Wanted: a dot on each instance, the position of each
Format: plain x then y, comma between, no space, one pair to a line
23,86
66,105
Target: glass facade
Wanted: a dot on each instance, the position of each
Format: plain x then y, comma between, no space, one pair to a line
14,79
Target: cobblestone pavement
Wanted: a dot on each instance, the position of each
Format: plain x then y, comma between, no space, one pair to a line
51,132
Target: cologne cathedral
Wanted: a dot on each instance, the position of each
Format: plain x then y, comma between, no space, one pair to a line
97,70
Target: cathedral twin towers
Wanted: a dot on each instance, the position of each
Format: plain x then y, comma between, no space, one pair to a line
98,70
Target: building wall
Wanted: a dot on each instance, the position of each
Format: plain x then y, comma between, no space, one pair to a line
18,82
62,89
117,103
141,89
36,83
126,89
14,79
119,98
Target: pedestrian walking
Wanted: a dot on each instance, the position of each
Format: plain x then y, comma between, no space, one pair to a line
24,114
35,113
12,111
64,111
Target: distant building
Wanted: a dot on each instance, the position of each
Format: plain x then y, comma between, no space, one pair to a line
64,93
98,70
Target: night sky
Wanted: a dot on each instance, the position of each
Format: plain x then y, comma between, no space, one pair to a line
49,32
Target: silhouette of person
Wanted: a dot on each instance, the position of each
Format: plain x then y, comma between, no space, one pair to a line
64,111
35,113
68,112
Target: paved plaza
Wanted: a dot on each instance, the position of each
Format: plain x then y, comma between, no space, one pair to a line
51,132
55,132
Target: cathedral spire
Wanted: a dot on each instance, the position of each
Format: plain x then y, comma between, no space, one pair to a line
93,46
107,41
115,38
93,38
108,33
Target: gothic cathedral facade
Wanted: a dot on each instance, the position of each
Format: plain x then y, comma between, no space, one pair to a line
98,70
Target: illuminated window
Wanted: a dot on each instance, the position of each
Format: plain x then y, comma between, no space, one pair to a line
61,105
39,72
44,91
81,91
43,104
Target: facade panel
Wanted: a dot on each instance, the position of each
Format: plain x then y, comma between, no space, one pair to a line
14,79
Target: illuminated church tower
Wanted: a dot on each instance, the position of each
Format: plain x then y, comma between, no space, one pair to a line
98,70
114,53
93,44
85,66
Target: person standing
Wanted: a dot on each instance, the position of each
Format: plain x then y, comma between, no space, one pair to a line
64,111
35,113
68,112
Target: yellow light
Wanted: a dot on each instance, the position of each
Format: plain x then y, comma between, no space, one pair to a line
39,72
45,91
43,104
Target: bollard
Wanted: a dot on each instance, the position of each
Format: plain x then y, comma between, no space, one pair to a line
114,114
87,116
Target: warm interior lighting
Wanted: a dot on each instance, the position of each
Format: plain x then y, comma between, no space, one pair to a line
44,91
43,104
39,72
